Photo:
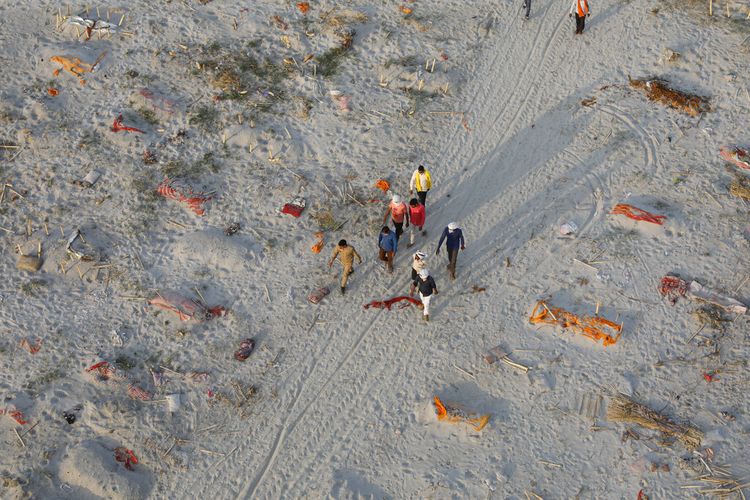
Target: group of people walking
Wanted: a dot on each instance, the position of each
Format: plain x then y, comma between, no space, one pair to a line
412,217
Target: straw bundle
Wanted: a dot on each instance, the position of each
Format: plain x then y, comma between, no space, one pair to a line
659,91
623,409
740,189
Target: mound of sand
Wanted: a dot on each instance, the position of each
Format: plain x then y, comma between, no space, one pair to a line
91,467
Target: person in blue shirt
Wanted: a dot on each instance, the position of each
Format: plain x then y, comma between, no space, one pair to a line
387,246
454,241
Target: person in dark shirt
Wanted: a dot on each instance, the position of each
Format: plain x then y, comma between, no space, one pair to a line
455,241
427,287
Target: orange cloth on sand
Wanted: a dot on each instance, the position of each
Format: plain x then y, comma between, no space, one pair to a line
318,246
588,326
383,185
456,416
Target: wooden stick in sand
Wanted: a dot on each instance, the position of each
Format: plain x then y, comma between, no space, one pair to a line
355,199
466,372
10,188
550,312
743,282
585,264
174,443
224,458
29,430
521,367
551,464
299,177
19,438
329,190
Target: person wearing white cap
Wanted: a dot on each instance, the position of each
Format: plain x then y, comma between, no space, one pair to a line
398,212
419,262
455,240
427,288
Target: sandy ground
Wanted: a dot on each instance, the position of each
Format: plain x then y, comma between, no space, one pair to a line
336,400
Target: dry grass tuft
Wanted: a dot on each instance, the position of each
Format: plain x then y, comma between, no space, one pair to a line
227,80
325,219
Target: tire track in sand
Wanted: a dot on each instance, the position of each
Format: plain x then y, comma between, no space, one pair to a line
480,93
289,426
547,53
647,140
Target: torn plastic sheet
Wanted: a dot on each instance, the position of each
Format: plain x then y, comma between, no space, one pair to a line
73,246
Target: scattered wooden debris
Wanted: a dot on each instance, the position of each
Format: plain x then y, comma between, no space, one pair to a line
720,484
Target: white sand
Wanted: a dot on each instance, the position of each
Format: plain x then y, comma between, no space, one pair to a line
343,404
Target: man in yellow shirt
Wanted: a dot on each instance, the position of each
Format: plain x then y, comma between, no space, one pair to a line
346,255
422,182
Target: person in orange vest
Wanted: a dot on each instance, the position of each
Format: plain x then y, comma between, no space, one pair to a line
422,181
416,219
581,9
398,212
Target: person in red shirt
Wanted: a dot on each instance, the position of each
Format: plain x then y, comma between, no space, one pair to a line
398,212
416,219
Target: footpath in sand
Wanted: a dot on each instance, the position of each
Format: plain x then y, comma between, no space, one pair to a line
524,128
